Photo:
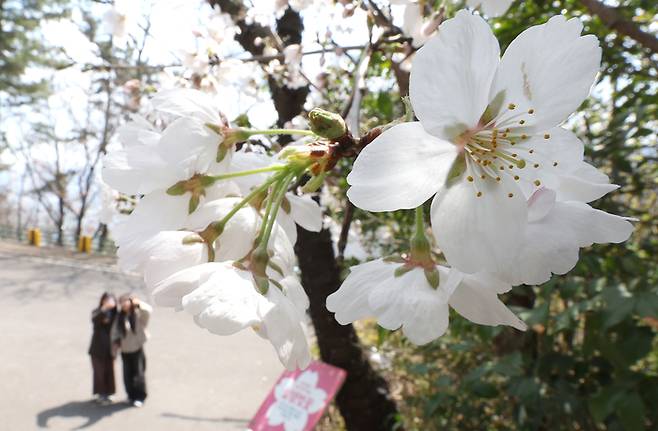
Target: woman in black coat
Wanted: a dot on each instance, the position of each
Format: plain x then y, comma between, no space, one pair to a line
101,349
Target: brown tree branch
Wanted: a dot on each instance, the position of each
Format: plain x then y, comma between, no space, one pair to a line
613,18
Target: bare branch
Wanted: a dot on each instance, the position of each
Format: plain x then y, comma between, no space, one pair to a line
613,18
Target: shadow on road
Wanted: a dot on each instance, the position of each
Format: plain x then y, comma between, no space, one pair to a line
90,410
200,419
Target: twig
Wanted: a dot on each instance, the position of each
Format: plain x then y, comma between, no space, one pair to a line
613,18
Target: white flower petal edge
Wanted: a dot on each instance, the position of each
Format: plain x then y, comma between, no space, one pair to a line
306,212
451,75
408,301
584,183
226,303
491,8
401,168
283,324
476,300
170,291
556,231
224,300
183,102
549,68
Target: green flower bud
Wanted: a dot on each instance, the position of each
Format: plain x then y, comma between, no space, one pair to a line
327,124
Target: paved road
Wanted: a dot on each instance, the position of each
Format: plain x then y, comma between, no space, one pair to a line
196,381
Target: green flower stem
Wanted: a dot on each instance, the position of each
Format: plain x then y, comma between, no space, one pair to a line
420,221
419,244
273,168
255,192
273,205
281,132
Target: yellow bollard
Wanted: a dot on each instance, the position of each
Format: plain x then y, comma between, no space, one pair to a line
34,237
84,244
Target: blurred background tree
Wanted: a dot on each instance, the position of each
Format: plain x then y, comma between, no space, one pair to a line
22,48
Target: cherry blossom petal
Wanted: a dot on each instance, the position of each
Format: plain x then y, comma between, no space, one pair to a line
226,303
170,291
584,184
491,8
166,254
425,310
475,300
549,68
243,161
408,301
189,146
451,75
137,170
402,168
350,302
239,233
293,289
553,241
306,212
479,233
288,225
283,325
540,204
183,102
549,156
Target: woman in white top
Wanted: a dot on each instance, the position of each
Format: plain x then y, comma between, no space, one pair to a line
131,331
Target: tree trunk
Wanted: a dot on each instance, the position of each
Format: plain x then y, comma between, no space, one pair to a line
364,400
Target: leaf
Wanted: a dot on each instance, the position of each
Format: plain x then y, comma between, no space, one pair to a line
484,389
194,203
647,304
385,105
509,365
603,403
525,388
619,305
630,410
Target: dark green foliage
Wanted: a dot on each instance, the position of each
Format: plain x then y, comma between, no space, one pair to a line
22,47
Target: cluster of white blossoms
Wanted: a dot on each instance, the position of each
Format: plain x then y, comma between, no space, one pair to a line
214,229
510,185
213,232
420,27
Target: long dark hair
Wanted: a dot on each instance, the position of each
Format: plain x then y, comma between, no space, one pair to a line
123,316
105,296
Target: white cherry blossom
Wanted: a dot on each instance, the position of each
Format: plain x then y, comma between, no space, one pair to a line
408,301
415,25
491,8
152,159
224,300
492,124
556,231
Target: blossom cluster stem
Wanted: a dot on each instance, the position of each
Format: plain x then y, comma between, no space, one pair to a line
255,192
281,132
419,244
273,205
230,175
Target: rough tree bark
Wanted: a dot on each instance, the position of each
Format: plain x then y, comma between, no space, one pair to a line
364,400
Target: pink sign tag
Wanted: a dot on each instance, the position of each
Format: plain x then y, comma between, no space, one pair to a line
299,399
